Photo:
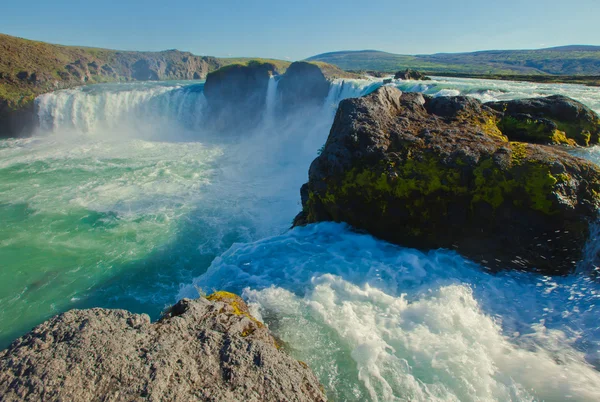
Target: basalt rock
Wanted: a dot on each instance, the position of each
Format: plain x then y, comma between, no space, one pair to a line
554,119
209,349
437,172
303,84
237,94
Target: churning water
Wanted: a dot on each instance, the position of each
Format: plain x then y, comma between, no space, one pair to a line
127,199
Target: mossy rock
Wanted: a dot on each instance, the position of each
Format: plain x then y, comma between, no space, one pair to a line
554,120
438,172
523,127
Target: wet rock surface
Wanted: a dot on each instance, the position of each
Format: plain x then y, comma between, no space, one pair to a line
438,172
208,349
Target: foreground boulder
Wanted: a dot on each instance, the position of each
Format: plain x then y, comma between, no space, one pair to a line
409,74
206,349
554,119
437,172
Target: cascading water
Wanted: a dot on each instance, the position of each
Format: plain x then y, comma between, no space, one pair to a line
271,102
124,203
114,108
344,89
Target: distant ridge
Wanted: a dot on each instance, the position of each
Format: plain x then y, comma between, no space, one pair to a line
577,48
560,60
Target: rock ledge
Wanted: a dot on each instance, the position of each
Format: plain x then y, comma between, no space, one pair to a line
208,349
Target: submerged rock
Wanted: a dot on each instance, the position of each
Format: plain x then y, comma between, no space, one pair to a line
206,349
409,74
437,172
554,119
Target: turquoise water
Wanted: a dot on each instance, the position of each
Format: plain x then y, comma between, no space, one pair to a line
125,199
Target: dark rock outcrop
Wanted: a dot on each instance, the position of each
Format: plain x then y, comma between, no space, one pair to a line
437,172
554,119
206,349
409,74
237,94
303,84
17,121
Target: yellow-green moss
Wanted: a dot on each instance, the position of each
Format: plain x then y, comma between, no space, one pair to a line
493,184
228,298
234,301
581,132
412,180
425,176
490,127
519,152
534,130
424,187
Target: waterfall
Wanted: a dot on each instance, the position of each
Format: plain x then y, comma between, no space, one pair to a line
108,107
341,89
271,98
151,109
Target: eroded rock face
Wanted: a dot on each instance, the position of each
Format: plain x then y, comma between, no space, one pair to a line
554,119
236,94
437,172
302,85
205,349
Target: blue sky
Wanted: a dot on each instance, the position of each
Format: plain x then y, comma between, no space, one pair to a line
302,28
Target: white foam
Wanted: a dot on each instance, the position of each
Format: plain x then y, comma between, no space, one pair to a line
110,110
381,322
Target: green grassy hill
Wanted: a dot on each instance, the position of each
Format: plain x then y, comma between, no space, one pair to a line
29,68
566,60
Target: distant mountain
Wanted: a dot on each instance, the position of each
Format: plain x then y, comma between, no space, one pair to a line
563,60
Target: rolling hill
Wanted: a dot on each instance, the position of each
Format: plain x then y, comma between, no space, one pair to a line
564,60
